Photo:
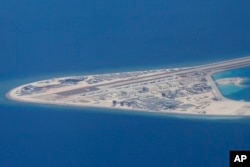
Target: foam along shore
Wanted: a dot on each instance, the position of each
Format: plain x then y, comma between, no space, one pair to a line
189,90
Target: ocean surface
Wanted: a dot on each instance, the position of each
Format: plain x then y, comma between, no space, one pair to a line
51,38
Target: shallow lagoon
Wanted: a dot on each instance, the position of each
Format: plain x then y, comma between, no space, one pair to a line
43,38
232,91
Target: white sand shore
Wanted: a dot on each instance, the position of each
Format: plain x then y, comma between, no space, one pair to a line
174,91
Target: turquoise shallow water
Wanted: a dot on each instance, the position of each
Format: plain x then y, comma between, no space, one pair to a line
47,135
232,91
43,39
246,82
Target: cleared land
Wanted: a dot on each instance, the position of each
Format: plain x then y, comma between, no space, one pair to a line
189,90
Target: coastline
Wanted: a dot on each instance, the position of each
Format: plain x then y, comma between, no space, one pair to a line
10,95
135,111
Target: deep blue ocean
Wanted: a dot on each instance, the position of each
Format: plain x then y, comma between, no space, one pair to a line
50,38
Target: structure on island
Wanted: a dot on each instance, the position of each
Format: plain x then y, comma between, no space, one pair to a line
189,90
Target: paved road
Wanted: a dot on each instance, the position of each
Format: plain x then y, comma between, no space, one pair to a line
223,65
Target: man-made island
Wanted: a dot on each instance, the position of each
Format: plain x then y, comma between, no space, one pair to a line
189,90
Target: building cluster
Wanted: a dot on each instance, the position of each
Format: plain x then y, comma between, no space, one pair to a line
31,89
72,81
165,94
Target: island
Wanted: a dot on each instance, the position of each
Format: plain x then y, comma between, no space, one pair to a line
187,90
